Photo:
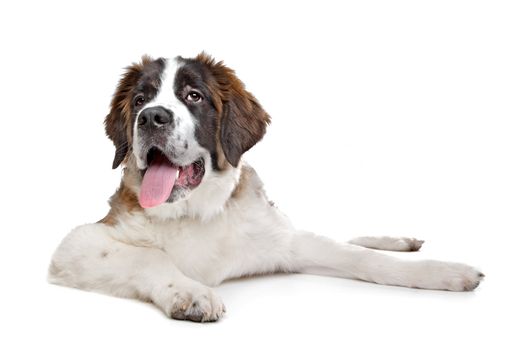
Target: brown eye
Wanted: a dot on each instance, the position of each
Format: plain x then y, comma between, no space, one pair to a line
194,96
139,100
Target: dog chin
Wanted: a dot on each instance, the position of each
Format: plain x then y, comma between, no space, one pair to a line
178,194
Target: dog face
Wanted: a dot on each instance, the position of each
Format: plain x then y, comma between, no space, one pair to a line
179,119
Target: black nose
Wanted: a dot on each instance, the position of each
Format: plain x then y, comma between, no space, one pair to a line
155,117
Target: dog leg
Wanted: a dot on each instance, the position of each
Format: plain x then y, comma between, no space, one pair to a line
89,258
398,244
319,255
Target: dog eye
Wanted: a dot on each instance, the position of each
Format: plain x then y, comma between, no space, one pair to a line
194,96
139,100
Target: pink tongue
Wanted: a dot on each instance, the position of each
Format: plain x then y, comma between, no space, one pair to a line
157,183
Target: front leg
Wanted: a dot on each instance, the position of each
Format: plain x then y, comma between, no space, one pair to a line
89,258
319,255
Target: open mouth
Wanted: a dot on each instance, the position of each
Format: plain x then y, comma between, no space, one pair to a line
162,177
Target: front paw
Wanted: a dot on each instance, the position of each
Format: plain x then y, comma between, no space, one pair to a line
197,304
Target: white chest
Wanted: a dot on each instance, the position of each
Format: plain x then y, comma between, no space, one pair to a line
211,251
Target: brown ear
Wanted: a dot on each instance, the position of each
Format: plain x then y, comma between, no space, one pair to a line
243,124
118,121
243,120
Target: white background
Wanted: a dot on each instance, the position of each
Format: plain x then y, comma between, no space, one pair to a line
396,117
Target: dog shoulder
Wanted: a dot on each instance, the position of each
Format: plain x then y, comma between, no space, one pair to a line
249,185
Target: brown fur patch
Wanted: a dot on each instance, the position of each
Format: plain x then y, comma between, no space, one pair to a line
118,121
242,120
123,201
244,181
250,183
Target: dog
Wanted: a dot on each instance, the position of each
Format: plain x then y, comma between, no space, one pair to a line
190,213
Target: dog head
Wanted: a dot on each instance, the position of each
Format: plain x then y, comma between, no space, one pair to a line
179,119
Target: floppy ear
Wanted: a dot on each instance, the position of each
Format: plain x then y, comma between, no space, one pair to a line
243,120
243,124
118,121
116,131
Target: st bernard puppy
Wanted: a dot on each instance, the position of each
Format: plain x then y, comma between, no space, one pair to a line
190,213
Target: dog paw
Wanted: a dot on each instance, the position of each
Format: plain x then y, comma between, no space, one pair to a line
197,305
464,278
454,276
405,244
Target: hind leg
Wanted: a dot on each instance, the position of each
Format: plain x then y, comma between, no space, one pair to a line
319,255
397,244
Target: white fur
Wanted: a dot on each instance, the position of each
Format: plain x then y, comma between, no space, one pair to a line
172,254
146,253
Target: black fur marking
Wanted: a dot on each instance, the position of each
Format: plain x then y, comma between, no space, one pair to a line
193,75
